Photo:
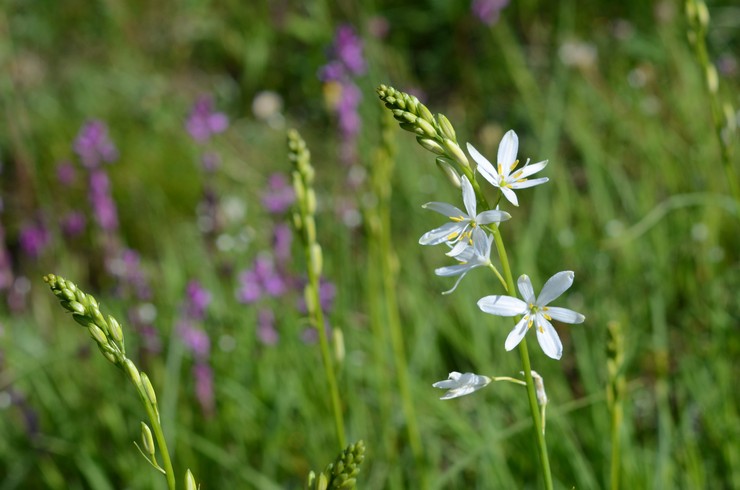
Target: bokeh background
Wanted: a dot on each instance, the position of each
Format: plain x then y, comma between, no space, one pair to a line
143,156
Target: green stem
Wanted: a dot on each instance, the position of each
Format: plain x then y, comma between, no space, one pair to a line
159,436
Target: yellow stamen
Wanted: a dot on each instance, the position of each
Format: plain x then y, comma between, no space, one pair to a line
513,165
452,235
457,219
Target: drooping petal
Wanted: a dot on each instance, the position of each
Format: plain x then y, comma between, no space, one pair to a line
525,288
548,338
502,305
450,382
510,195
555,286
468,195
565,315
517,333
528,183
492,216
507,151
485,168
458,249
443,208
482,245
452,270
441,234
528,170
450,291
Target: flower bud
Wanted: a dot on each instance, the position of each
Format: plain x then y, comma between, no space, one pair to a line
190,481
449,172
147,440
426,127
115,330
98,334
446,126
133,372
148,389
431,145
454,150
317,260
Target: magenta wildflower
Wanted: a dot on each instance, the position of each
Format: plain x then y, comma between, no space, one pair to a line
203,122
282,238
266,332
33,239
279,195
203,375
198,300
348,49
73,223
93,145
101,201
66,173
488,11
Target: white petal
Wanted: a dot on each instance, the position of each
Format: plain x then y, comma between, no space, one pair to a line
565,315
483,163
510,195
528,170
548,338
555,286
449,291
439,235
525,288
443,208
458,249
502,305
507,151
528,183
450,382
517,334
492,216
482,246
468,196
453,270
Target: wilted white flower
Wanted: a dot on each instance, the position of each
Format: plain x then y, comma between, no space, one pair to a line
476,255
463,228
461,384
501,175
535,311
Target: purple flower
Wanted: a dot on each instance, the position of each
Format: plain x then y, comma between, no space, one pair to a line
203,122
103,208
488,11
348,50
204,387
198,300
266,332
210,161
279,195
262,279
33,239
93,145
6,272
282,238
250,290
327,293
73,223
349,118
66,173
195,339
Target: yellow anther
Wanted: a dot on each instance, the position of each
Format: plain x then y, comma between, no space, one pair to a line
457,219
542,330
547,317
453,235
500,169
513,165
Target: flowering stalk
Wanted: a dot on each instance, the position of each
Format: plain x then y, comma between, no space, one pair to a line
342,473
305,224
108,334
615,391
437,135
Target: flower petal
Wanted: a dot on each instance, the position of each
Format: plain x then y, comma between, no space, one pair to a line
449,291
450,382
452,270
525,289
443,208
507,151
510,195
517,334
482,242
548,338
565,315
492,216
502,305
528,170
555,286
458,249
439,235
468,195
528,183
483,164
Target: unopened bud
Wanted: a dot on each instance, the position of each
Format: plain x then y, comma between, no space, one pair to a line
190,481
308,297
448,170
431,145
702,14
337,338
115,329
83,320
446,126
408,127
74,307
317,259
147,440
310,226
310,201
454,150
426,127
133,373
712,79
98,334
425,114
148,389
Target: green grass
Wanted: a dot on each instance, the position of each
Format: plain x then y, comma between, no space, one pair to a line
637,205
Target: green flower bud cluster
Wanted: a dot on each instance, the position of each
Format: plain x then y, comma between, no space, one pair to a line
435,134
106,332
342,473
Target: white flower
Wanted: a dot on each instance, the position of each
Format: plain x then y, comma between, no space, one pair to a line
476,255
535,311
501,176
461,384
462,230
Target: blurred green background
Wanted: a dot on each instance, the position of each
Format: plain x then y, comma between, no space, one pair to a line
638,205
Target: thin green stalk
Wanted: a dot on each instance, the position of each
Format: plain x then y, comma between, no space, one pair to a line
303,220
614,397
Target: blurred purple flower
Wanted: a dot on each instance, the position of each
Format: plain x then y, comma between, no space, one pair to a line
488,11
349,118
73,223
33,239
279,195
195,339
281,243
348,50
103,208
250,290
210,161
262,279
93,144
198,300
203,122
204,387
6,272
266,332
66,173
327,293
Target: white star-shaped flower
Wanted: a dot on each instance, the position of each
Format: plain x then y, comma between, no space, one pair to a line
535,311
461,384
501,175
476,255
463,228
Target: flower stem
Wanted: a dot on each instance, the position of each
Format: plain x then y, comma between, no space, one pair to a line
153,414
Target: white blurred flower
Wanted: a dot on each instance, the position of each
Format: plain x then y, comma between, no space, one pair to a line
461,384
501,175
463,228
476,255
535,311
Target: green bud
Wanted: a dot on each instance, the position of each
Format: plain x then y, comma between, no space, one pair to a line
83,320
310,201
148,389
702,14
310,225
712,79
190,481
449,171
98,334
425,114
338,340
297,221
309,298
74,307
412,104
133,372
426,127
108,354
317,261
446,127
431,145
408,127
115,330
147,440
98,318
91,302
298,187
454,150
406,116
